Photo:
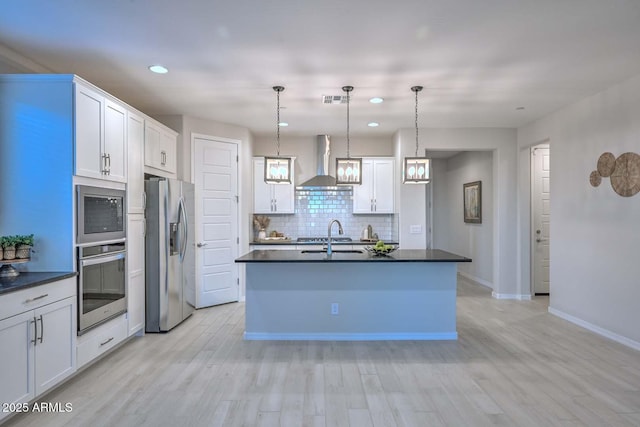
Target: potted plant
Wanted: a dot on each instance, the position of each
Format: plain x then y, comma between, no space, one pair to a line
9,247
24,243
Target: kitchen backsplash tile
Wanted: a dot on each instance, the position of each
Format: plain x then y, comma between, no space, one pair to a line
314,210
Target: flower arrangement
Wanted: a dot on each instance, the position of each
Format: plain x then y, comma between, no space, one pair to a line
261,222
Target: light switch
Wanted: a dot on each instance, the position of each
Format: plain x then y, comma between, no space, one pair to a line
415,229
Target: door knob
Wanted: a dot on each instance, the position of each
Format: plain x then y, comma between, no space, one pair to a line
201,245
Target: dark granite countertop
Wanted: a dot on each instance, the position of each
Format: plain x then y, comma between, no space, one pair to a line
28,279
295,242
400,255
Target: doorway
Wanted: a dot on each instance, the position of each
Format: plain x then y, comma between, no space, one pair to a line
215,165
540,219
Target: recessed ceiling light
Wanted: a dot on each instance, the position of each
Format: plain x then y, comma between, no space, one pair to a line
373,124
158,69
376,100
283,124
519,108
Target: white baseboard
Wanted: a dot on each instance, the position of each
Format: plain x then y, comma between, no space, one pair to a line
519,297
597,329
435,336
477,280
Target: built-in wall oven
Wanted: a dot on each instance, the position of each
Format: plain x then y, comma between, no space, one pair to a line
101,282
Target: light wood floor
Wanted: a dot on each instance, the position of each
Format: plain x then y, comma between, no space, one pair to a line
513,365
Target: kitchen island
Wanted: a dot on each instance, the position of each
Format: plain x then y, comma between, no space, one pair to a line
405,295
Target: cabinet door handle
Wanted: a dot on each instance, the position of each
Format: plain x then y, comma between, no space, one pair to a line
35,299
275,205
375,205
144,201
35,332
106,342
41,329
163,158
108,164
104,163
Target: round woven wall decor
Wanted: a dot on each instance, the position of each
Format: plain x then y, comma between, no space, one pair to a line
595,179
606,164
625,179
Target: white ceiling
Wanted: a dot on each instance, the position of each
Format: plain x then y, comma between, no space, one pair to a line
478,60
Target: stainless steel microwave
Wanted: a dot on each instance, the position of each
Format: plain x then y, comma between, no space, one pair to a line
101,214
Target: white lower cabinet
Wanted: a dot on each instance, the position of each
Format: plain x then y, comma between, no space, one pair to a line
37,342
135,273
101,339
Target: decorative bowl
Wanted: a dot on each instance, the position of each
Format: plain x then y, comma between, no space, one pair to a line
376,250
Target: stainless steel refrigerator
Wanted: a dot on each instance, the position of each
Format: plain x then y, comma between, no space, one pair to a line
170,256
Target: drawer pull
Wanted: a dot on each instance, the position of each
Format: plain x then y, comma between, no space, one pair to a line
106,342
36,298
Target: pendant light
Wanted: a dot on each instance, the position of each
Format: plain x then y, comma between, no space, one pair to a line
416,170
277,170
348,169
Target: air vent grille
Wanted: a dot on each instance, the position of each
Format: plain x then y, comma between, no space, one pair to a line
334,99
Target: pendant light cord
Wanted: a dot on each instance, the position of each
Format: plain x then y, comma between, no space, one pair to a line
278,89
348,89
416,89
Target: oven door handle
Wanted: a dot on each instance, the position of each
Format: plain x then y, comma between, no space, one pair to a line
101,259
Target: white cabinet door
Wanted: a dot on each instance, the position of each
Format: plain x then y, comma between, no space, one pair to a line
363,194
160,149
262,197
136,277
271,198
376,194
152,145
16,354
168,151
135,163
115,141
55,346
89,115
383,187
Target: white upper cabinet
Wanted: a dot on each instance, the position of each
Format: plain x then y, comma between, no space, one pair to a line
271,198
135,163
160,149
100,135
376,194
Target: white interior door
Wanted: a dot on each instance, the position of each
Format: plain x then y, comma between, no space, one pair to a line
540,217
216,237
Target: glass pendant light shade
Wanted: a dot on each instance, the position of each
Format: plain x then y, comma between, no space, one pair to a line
348,169
277,170
416,170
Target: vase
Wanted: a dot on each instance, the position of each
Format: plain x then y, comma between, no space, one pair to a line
9,253
262,234
23,251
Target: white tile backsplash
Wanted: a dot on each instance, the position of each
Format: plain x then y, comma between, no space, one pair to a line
315,209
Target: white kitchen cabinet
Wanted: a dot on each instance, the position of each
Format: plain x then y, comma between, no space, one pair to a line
135,164
278,247
37,340
100,135
136,273
160,149
271,198
376,194
101,339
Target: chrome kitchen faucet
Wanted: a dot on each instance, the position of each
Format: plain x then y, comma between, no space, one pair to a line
340,231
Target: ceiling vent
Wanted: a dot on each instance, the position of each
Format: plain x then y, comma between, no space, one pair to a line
334,99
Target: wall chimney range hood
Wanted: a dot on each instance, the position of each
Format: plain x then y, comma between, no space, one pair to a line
322,181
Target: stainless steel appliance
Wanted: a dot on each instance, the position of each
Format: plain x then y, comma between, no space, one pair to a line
101,214
170,253
101,282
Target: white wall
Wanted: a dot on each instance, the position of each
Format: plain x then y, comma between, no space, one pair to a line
595,233
471,240
503,143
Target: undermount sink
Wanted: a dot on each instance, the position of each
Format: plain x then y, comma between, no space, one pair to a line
341,251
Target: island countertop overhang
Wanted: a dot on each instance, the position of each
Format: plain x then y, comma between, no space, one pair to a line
400,255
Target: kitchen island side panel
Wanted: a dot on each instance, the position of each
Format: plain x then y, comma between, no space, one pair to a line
382,301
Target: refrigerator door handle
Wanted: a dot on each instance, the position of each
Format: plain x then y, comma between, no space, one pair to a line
182,218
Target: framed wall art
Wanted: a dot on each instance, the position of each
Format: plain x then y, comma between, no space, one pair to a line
472,196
